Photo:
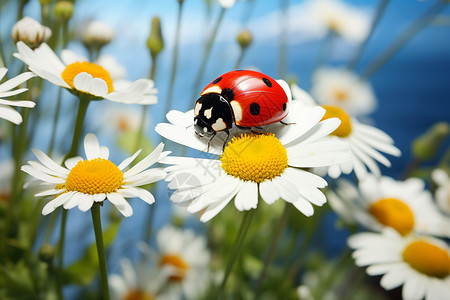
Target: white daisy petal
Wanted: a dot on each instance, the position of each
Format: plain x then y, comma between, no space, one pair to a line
71,162
128,160
145,163
122,205
269,192
247,197
55,203
86,203
10,114
42,176
91,146
47,161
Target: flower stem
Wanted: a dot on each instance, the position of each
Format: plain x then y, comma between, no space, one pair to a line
55,123
174,58
60,273
359,51
82,108
403,39
243,229
208,47
96,220
280,226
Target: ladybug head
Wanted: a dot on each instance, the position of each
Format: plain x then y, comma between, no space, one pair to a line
212,114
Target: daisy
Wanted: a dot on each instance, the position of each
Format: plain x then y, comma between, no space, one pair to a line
6,90
31,32
139,282
83,182
365,142
442,194
338,17
344,89
97,33
420,264
84,78
405,206
186,257
267,164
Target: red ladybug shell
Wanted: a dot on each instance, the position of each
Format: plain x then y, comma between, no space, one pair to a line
255,98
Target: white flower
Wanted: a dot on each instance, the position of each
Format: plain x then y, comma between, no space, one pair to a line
333,15
442,194
420,264
6,90
98,33
268,164
31,32
227,3
184,256
84,78
139,282
342,88
83,182
365,142
403,205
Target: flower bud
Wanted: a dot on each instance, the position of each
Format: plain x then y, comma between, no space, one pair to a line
63,10
97,34
227,3
47,253
155,42
244,39
31,32
427,145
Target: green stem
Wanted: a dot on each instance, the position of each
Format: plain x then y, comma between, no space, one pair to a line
403,39
82,108
207,53
55,123
235,251
237,66
96,220
359,51
60,279
174,58
276,235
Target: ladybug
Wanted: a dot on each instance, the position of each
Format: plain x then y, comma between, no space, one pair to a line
244,98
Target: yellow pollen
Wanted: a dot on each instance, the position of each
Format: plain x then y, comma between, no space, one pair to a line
427,259
254,157
138,295
393,213
178,263
96,71
95,176
345,128
340,95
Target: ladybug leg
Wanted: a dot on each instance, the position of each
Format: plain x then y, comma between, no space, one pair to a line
258,131
284,123
209,141
226,140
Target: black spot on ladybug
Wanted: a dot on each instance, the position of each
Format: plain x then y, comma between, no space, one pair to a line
217,80
254,109
267,82
240,70
228,94
284,106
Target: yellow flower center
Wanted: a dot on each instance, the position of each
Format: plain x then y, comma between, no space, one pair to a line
138,295
96,71
177,262
95,176
254,157
345,128
428,259
340,95
393,213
